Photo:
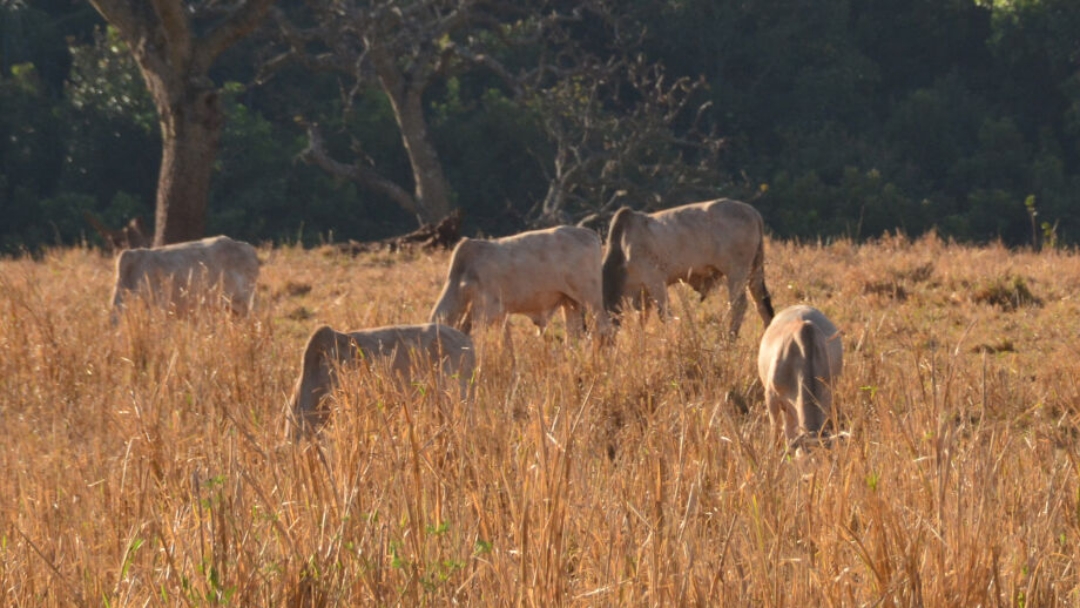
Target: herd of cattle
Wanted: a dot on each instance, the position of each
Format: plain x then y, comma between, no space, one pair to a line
534,274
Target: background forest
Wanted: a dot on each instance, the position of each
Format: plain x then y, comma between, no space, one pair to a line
835,118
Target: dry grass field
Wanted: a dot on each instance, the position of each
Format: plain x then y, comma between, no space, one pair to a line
150,464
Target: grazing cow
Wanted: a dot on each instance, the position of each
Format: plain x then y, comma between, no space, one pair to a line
532,273
184,274
405,349
697,244
801,357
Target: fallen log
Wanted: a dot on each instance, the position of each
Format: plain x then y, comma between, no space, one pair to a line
441,235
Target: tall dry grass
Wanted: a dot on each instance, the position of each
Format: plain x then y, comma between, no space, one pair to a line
150,465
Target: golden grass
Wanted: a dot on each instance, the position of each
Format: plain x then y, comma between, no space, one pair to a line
150,465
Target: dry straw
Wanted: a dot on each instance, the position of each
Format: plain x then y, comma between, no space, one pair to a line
150,464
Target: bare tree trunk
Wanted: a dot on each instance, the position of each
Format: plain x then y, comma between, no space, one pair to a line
431,188
432,192
175,62
192,132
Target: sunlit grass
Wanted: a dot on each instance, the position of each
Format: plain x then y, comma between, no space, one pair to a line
150,464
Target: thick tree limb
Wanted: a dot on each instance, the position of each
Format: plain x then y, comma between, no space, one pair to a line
176,29
316,153
119,14
139,26
236,26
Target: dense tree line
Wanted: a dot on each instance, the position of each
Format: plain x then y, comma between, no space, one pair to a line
839,117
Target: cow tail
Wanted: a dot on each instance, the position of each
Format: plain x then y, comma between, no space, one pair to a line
812,402
758,290
614,267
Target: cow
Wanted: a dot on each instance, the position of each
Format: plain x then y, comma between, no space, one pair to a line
698,244
800,359
185,274
532,273
403,349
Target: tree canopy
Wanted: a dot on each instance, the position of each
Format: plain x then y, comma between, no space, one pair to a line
835,118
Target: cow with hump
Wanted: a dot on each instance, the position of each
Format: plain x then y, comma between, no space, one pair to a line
185,275
800,359
405,350
698,244
533,274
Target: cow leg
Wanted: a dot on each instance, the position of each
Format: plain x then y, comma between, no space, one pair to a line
762,299
642,305
736,304
782,410
117,307
658,293
771,401
602,323
792,431
540,321
508,339
703,283
573,318
487,310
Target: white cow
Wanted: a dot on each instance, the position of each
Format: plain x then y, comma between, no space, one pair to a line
185,275
800,359
532,273
405,349
697,244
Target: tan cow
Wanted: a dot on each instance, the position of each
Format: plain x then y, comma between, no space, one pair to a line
532,273
801,357
404,349
185,274
698,244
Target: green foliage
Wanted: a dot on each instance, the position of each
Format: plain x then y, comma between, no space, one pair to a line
479,137
54,220
251,193
932,127
105,80
860,118
860,204
31,147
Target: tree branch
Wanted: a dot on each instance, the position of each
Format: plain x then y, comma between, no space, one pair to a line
118,13
236,26
297,40
317,154
496,66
